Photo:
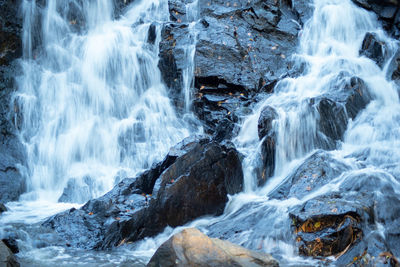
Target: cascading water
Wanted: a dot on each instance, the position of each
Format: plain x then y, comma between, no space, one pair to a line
93,106
329,47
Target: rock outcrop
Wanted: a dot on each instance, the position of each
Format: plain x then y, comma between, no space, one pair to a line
12,156
193,180
241,48
192,248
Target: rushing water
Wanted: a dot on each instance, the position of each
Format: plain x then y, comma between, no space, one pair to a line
93,106
86,95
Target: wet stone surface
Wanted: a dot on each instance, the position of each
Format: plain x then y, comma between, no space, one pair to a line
143,206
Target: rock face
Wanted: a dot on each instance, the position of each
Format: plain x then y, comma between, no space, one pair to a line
192,248
12,156
242,48
7,258
192,181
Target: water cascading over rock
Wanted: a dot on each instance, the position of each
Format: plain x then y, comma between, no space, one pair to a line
91,101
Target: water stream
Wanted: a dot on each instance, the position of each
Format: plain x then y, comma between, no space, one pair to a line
86,95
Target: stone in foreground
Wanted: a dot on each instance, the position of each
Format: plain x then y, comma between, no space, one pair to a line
192,248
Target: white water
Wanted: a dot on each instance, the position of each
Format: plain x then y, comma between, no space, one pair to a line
329,43
93,104
87,90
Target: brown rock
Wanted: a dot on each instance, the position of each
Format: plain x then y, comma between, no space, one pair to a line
192,248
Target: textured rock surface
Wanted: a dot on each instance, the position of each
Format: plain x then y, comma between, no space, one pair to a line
192,181
343,223
242,48
12,154
316,171
192,248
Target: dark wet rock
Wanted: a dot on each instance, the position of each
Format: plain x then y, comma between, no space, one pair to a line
11,243
120,6
344,223
317,170
394,67
267,133
332,119
2,208
12,156
78,190
351,95
267,116
196,184
325,229
193,180
375,49
152,34
7,258
85,227
358,97
387,12
192,248
10,32
242,48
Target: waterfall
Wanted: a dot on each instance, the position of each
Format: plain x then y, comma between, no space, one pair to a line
92,106
329,45
91,109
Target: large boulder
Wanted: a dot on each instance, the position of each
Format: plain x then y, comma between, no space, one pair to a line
350,95
343,223
241,48
192,248
7,258
193,180
196,184
12,156
374,48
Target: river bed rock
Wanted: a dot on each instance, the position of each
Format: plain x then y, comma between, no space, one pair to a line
192,248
